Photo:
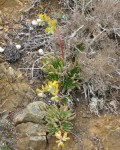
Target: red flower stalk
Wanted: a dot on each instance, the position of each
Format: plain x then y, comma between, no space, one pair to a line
60,42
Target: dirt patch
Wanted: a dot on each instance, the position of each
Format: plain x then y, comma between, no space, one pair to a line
95,131
13,8
10,12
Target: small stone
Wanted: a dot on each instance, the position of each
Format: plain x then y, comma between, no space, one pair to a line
1,49
34,22
39,20
41,52
18,46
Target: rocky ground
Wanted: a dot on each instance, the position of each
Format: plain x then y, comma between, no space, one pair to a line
22,125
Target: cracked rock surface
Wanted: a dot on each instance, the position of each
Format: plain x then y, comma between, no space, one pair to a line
30,136
30,126
14,91
34,112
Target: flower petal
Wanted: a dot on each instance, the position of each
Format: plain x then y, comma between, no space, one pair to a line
41,16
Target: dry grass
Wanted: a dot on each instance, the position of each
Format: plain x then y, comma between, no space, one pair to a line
95,24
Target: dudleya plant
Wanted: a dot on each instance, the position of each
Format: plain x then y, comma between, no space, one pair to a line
59,119
68,76
61,78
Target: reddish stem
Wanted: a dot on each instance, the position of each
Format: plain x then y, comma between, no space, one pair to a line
60,42
62,52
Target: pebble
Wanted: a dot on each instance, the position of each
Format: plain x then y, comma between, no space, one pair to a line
1,49
18,46
34,22
41,52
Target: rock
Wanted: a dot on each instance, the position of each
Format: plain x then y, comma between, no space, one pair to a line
18,46
34,112
30,136
1,49
30,127
14,91
41,52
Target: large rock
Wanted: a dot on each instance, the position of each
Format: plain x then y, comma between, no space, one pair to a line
14,91
30,136
34,112
30,126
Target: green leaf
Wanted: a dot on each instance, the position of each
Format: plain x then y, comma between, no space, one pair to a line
80,47
58,118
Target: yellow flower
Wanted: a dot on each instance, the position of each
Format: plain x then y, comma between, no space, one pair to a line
38,90
62,137
47,30
52,22
53,27
60,143
41,16
46,18
41,94
58,134
55,98
45,88
65,138
51,87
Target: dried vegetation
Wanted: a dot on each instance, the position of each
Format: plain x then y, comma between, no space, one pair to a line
91,36
93,30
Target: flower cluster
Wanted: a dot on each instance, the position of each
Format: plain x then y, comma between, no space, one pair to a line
50,22
51,87
43,19
62,137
